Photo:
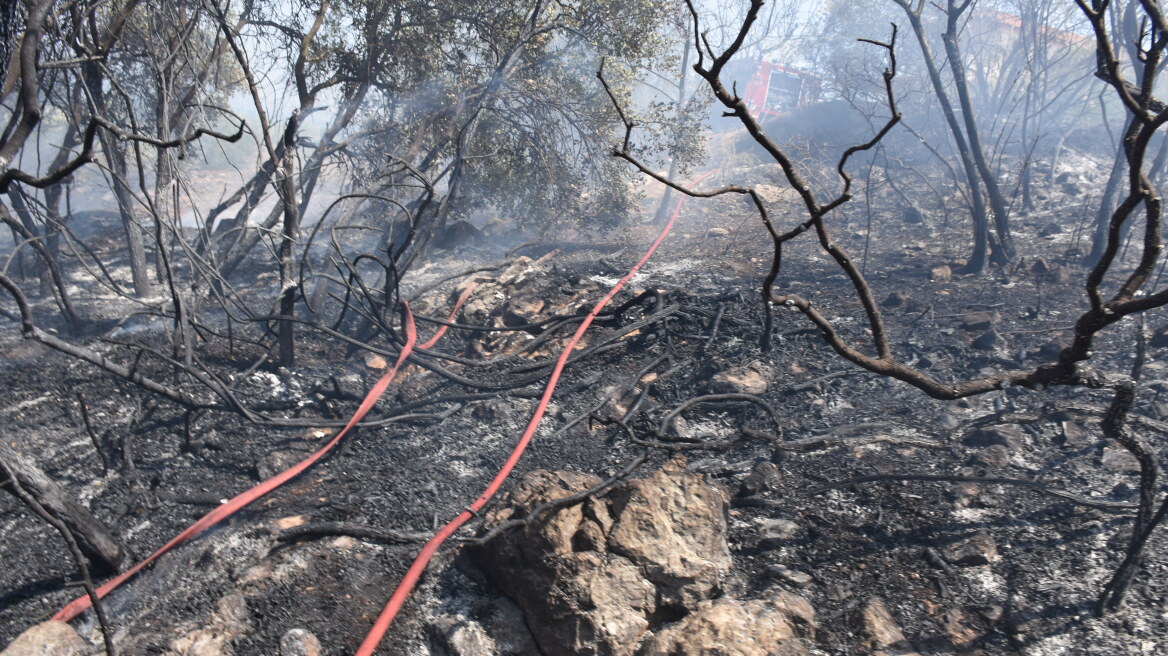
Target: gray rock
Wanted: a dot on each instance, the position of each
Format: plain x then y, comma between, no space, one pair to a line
1120,460
988,341
299,642
764,477
448,636
981,320
995,456
791,576
775,532
1007,435
894,300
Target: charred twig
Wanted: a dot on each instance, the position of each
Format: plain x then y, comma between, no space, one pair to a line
667,421
821,442
93,436
1111,506
359,531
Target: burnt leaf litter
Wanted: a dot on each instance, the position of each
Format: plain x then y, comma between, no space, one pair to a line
950,520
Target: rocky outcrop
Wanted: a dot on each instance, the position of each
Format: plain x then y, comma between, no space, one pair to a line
637,572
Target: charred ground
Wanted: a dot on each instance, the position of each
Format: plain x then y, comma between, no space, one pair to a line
695,333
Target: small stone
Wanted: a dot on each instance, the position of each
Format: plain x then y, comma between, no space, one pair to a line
1050,350
717,232
285,523
1120,460
375,361
965,493
1063,275
1074,435
988,341
1007,435
299,642
981,320
765,477
453,637
50,638
276,462
794,577
1159,337
979,549
993,614
955,626
232,611
775,532
750,379
1050,230
894,300
879,629
995,456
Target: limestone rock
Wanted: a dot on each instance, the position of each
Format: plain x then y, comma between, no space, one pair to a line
881,635
522,309
979,549
50,638
775,532
229,621
451,637
791,576
749,379
590,578
729,627
672,524
299,642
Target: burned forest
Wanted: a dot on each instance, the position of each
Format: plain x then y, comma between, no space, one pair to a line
583,327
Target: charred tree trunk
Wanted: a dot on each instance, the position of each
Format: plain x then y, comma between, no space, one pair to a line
58,282
977,259
1107,204
95,541
674,157
135,242
1005,243
288,287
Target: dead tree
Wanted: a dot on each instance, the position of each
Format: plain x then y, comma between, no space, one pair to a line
1132,294
965,136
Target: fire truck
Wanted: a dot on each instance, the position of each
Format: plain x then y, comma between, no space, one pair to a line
776,89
